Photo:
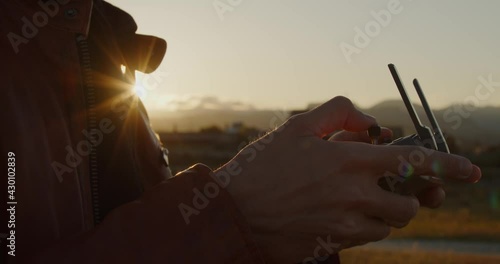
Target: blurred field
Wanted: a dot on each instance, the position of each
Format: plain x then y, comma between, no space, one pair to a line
452,224
470,213
411,256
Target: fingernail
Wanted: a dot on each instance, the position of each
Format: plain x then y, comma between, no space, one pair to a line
465,169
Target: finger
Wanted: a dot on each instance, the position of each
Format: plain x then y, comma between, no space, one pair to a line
337,114
361,136
412,160
350,136
476,174
396,209
432,198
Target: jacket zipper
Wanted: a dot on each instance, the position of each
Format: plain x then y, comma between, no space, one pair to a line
90,103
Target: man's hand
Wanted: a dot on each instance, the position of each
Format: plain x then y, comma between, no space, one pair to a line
299,189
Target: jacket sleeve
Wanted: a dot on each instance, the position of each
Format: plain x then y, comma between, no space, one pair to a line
186,219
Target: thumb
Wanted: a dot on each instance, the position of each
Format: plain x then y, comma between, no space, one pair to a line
337,114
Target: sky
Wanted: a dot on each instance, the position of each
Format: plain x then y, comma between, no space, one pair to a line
287,54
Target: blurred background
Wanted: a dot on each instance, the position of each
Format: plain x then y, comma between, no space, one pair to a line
235,69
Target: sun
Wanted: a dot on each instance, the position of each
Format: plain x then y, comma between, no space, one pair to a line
140,91
140,88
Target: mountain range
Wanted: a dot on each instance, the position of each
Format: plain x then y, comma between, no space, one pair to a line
468,125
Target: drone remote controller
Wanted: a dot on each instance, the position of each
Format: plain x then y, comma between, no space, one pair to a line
426,137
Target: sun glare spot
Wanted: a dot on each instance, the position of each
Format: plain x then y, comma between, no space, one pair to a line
140,91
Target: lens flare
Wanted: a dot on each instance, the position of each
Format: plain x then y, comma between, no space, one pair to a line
437,168
407,170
